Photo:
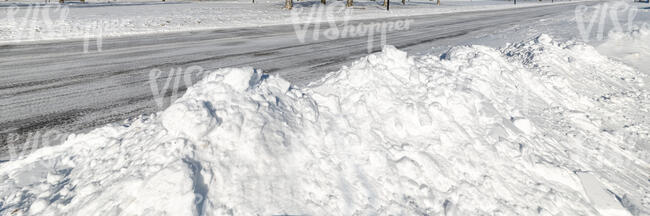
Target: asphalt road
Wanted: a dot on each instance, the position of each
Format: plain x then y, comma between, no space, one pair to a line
55,85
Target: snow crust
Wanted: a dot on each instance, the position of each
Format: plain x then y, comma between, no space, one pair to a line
476,131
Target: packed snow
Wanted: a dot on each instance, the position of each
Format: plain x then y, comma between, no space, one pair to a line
22,22
538,127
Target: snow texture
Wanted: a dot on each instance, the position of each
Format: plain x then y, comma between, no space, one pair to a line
535,128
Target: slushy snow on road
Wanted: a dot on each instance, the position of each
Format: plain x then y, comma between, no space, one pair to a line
536,128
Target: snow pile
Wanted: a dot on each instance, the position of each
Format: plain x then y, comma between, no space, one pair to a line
632,47
536,128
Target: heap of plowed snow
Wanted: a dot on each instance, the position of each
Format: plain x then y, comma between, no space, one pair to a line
535,128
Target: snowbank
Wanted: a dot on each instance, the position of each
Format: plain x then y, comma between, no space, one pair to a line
632,47
536,128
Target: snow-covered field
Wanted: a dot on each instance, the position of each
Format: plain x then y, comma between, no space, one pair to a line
540,127
29,22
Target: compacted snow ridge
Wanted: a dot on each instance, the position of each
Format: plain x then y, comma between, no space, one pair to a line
536,128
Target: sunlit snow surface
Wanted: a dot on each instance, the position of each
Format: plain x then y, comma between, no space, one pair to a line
540,127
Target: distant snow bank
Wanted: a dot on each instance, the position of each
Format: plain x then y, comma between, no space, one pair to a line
534,128
29,22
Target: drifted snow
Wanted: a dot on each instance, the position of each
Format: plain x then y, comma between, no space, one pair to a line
534,128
